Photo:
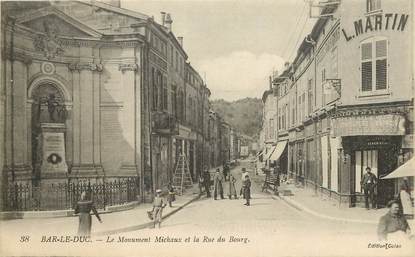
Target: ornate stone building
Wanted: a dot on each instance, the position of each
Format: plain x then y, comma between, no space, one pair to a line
89,91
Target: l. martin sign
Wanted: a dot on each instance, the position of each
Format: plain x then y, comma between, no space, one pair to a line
387,21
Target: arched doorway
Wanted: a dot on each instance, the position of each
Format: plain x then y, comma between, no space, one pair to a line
48,109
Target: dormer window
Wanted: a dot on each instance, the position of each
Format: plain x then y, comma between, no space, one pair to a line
373,5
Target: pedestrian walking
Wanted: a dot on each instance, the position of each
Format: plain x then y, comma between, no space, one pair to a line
405,201
84,208
201,184
158,206
368,184
393,223
218,185
206,182
225,171
171,197
244,173
232,188
246,190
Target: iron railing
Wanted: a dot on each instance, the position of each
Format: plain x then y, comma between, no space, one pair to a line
63,196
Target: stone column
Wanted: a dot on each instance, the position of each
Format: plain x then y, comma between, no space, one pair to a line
18,159
85,126
129,118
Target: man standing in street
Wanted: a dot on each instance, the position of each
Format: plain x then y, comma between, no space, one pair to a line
226,170
368,184
246,190
244,173
206,182
218,184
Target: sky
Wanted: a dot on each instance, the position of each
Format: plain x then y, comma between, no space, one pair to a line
235,44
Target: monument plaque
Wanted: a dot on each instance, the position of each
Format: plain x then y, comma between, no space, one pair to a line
53,151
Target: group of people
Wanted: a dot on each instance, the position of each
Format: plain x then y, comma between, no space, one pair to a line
220,178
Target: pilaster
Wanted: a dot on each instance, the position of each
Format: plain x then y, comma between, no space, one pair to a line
86,137
129,117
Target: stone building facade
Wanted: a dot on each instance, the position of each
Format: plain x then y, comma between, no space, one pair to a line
346,101
93,91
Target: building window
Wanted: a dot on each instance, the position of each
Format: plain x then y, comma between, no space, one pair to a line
174,101
171,54
374,66
165,94
177,61
154,88
310,95
373,5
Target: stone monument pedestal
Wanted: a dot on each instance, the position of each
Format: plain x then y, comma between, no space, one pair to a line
53,167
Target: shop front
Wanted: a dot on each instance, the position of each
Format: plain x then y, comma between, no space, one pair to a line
371,137
380,154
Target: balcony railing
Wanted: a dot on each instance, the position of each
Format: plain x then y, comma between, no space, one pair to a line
164,123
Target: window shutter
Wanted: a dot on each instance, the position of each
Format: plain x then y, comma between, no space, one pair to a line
381,64
381,47
381,70
366,76
366,51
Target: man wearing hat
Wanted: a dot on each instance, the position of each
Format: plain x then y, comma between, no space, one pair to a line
218,185
158,206
244,173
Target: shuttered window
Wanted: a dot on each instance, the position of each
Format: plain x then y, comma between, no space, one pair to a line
374,66
373,5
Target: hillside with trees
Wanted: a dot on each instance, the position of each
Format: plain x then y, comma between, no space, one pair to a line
244,114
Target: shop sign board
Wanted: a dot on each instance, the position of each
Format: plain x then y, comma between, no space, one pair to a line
390,124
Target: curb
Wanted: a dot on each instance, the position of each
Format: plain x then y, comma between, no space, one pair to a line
144,225
61,213
301,207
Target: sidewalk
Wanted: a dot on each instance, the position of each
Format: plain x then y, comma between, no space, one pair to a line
321,206
115,222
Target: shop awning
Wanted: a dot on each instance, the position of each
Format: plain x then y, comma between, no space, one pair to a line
271,150
278,150
405,170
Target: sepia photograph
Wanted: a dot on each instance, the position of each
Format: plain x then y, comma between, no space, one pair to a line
206,128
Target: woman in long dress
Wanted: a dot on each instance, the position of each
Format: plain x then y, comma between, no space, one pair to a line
84,207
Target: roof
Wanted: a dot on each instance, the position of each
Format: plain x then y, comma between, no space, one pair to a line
116,9
266,94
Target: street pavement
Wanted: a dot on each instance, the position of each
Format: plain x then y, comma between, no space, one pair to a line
269,227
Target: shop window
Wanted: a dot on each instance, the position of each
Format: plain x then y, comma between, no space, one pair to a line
374,66
373,5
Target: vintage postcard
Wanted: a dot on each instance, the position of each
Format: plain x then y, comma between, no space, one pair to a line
207,128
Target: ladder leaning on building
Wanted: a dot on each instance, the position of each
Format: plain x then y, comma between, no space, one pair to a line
182,178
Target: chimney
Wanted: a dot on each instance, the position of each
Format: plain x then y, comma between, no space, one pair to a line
270,83
163,18
180,39
168,21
